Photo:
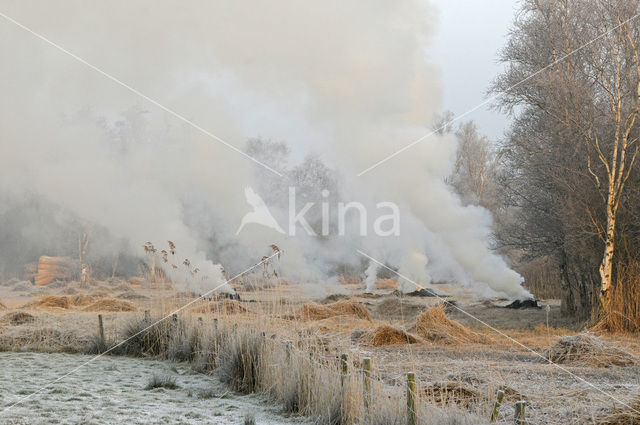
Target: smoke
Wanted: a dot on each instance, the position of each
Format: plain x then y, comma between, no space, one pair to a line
344,84
370,275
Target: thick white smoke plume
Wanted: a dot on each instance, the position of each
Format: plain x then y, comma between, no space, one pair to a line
347,82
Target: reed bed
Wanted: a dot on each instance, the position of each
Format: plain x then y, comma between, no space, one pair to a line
301,377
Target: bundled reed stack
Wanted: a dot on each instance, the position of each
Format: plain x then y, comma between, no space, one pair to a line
52,268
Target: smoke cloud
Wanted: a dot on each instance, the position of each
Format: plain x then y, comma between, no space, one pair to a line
343,84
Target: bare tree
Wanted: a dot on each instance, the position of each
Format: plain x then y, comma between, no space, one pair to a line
584,108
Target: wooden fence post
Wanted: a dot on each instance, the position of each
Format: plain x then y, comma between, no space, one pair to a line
100,328
520,414
411,398
344,367
496,406
366,385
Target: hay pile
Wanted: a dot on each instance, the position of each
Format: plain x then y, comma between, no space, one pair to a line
16,318
397,307
54,268
224,307
434,325
350,308
51,301
131,295
315,311
449,392
587,350
333,298
110,304
81,300
386,335
63,301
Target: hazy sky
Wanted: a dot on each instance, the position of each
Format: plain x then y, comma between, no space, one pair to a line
469,35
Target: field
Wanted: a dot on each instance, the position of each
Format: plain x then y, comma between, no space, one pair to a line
462,352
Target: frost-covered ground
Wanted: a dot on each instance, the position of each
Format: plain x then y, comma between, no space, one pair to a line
112,390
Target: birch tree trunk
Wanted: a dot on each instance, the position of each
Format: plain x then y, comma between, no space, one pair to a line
606,267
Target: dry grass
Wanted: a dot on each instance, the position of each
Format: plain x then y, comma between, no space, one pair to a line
624,306
587,350
110,304
622,416
224,306
386,335
434,325
391,284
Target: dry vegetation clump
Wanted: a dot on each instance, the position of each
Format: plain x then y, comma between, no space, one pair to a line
131,295
162,381
16,318
224,307
51,301
388,335
2,306
110,304
450,392
587,350
315,311
434,325
626,415
334,297
351,308
397,307
81,300
240,362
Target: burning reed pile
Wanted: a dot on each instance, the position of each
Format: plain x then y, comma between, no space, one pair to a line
587,350
386,335
434,325
315,311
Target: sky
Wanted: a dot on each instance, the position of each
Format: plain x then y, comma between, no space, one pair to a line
468,39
